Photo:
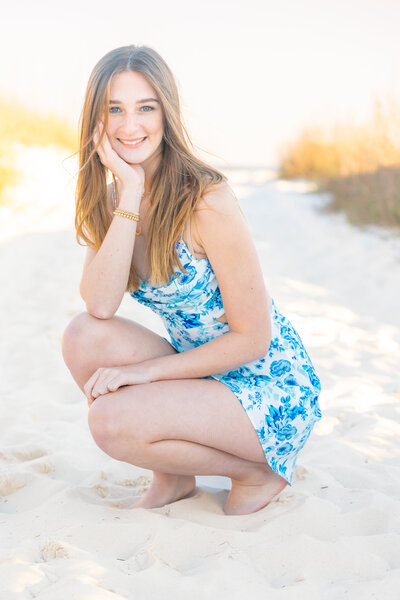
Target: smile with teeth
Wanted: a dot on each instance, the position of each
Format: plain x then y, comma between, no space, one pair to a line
132,142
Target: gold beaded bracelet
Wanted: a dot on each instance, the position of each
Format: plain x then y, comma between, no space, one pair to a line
127,214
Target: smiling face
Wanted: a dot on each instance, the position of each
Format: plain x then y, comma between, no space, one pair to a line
135,120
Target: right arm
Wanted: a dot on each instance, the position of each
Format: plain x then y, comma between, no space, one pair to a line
106,271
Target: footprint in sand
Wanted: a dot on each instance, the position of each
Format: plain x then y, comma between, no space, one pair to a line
23,453
53,549
29,453
12,482
121,493
300,472
43,467
142,560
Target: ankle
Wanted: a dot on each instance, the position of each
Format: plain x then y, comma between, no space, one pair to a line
259,474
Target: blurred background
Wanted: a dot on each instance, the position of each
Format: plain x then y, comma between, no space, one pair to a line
298,102
310,89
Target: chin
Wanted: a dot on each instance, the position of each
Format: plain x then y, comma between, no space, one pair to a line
129,159
136,161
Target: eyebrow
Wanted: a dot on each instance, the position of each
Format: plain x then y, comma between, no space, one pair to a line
138,102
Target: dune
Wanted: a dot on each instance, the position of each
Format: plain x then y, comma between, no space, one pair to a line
67,530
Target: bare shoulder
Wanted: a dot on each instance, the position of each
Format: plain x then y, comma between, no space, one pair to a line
228,244
216,211
218,197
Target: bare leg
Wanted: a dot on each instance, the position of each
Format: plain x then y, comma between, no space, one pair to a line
180,427
254,484
89,343
177,428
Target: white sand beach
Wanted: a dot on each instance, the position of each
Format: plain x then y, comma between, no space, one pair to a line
67,532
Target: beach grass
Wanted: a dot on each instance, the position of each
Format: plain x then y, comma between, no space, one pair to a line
20,124
357,164
8,174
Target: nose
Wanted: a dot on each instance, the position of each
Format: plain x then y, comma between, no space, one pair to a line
130,125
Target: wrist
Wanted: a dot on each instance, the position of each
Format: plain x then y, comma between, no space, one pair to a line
152,369
131,197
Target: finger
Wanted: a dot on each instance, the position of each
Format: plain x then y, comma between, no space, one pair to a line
97,131
113,385
88,387
100,387
100,129
106,148
92,385
89,384
101,154
106,142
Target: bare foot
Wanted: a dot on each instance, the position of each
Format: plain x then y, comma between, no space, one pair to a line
166,488
254,492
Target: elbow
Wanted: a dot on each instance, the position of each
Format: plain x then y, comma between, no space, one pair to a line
261,347
100,315
257,346
100,312
262,340
262,352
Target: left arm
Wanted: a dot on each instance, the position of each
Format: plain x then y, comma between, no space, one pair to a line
227,241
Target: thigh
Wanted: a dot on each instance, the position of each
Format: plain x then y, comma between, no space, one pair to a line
204,411
89,343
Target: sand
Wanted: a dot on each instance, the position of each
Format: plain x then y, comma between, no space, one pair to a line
66,529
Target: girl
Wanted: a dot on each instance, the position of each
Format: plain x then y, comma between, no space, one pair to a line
232,392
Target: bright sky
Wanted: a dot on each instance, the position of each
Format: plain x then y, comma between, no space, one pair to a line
252,73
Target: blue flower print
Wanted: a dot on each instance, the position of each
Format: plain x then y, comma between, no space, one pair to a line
287,432
279,367
285,449
276,346
313,378
290,380
278,391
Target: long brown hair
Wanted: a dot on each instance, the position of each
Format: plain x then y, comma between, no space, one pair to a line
180,180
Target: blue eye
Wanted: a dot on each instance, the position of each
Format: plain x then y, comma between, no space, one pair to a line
114,109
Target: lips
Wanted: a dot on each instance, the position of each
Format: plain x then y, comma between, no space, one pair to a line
132,143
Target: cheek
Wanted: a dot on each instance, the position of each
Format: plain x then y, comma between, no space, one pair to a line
112,139
110,130
157,126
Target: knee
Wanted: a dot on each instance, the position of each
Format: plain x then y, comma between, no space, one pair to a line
79,334
102,424
109,432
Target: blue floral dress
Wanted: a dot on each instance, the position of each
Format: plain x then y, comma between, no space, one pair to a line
279,392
